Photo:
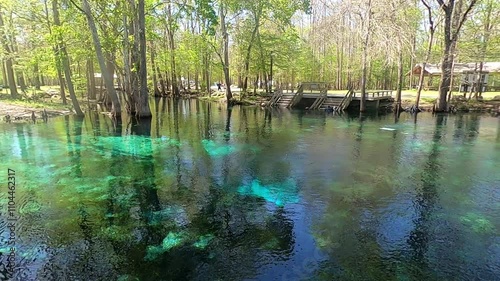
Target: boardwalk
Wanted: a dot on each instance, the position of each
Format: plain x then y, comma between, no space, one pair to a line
314,95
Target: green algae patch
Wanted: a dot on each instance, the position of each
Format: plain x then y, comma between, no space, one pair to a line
172,240
217,150
477,223
132,145
203,241
279,193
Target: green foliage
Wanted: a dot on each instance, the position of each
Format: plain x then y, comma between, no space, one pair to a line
206,12
325,49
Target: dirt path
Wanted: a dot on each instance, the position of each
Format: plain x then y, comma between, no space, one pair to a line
19,113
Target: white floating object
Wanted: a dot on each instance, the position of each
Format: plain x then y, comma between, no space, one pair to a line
387,129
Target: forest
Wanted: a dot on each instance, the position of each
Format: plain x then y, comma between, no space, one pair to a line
152,173
143,48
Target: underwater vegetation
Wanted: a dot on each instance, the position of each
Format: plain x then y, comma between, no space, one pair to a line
215,149
173,239
279,193
176,239
477,223
132,145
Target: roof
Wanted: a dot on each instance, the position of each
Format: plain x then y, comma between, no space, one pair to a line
435,69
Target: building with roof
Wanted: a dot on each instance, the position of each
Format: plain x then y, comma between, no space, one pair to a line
468,74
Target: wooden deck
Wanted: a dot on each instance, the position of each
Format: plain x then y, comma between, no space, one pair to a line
356,96
314,95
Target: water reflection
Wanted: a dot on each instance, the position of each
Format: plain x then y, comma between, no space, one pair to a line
204,192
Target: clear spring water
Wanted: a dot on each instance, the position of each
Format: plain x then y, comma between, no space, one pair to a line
203,193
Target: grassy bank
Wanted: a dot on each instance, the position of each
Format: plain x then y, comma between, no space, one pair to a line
37,99
248,99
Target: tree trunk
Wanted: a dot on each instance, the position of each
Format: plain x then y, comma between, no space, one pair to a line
484,45
20,81
63,54
206,73
249,49
134,61
362,106
36,76
156,92
364,58
424,64
453,21
9,61
167,83
4,74
196,80
339,66
62,84
11,77
413,48
162,81
451,80
142,108
71,89
60,77
171,45
255,85
446,64
400,80
116,110
90,79
127,80
266,82
479,81
225,39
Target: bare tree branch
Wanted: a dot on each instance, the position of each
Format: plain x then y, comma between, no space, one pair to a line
462,20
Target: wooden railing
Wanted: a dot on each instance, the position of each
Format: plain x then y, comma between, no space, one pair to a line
297,97
373,94
344,104
320,100
278,93
313,87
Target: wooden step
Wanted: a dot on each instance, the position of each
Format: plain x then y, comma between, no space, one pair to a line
331,104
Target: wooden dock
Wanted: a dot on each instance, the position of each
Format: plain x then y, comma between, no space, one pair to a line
314,95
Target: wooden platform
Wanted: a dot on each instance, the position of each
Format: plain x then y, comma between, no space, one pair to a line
314,95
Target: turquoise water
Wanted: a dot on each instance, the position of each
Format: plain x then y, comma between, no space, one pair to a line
204,193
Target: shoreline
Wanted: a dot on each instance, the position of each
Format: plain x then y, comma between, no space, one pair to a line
23,113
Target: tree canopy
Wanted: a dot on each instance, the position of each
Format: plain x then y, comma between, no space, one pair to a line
174,46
